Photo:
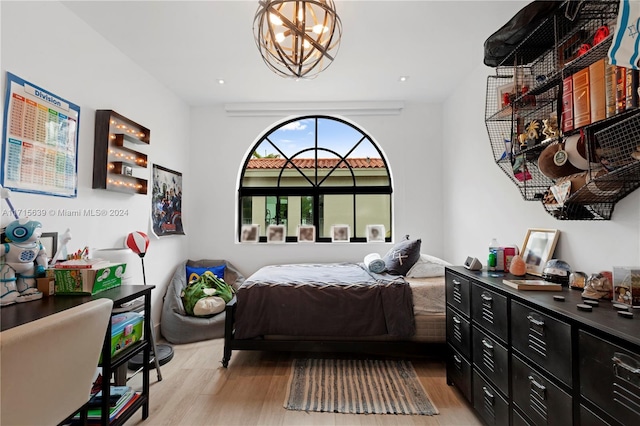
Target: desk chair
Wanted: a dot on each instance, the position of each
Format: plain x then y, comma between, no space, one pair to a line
48,365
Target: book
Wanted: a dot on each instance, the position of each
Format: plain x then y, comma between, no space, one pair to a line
116,392
82,264
597,91
533,285
114,411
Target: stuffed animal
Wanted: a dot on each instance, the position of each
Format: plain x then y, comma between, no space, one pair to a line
23,258
206,295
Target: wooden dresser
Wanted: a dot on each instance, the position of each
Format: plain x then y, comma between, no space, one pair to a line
521,357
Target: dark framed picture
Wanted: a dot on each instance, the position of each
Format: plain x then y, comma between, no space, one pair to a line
49,241
166,199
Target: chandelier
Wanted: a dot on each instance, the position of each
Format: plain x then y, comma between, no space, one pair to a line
297,38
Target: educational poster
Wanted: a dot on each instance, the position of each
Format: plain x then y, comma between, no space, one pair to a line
39,140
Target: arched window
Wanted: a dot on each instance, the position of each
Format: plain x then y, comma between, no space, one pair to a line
315,171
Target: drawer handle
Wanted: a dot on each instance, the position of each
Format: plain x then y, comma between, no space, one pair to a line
487,344
486,297
618,362
457,359
456,320
534,321
486,392
456,283
540,388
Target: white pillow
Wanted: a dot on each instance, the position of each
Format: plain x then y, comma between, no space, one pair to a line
427,266
209,306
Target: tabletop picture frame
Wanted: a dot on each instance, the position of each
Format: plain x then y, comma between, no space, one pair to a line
340,234
375,233
276,234
538,248
250,233
306,234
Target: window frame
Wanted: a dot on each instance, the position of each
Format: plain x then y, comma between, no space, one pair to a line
316,190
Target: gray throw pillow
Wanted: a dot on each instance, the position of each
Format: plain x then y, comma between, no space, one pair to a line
402,256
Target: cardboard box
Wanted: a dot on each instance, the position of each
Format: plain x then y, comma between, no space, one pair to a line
46,285
89,280
626,285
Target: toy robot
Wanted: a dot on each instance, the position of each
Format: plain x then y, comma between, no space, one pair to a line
23,258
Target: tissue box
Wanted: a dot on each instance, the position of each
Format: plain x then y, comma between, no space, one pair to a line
88,280
626,285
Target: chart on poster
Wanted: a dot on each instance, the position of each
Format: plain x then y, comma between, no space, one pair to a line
39,140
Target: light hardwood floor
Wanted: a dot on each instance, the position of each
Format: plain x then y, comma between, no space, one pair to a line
197,390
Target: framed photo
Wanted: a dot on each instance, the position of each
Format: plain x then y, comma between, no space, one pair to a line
250,233
375,233
538,248
340,234
49,242
166,202
306,234
276,234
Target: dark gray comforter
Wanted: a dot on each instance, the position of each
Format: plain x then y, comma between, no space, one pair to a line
331,299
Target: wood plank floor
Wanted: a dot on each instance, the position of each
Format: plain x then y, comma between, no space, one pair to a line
197,390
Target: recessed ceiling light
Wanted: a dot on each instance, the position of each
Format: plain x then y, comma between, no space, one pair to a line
403,78
220,81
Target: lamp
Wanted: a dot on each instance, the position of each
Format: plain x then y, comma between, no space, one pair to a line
138,242
297,38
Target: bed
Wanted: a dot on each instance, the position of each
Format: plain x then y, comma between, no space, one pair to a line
336,307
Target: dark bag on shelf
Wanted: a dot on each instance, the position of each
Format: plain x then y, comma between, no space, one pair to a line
501,43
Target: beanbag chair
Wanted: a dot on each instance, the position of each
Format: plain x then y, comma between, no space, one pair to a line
179,327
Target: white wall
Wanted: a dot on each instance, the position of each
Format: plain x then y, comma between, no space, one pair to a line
481,202
411,141
47,45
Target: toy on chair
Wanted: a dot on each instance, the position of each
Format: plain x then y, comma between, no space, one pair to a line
23,258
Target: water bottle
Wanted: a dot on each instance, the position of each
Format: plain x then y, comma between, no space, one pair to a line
492,261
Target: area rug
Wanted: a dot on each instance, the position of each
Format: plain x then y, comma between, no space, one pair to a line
357,387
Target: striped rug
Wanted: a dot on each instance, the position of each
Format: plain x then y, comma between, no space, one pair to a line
357,387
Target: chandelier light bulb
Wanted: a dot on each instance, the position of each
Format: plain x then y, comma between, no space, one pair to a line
297,38
274,19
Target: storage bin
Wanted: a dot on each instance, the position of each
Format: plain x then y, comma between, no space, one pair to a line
126,329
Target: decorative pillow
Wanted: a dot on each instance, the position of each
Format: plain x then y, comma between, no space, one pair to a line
193,272
427,266
402,256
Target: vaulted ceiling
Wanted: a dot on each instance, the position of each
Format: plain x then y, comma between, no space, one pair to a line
190,45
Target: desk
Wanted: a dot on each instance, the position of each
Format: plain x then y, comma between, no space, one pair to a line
22,313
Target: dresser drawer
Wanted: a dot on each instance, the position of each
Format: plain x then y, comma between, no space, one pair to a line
518,420
542,401
490,311
459,332
544,340
459,372
589,418
488,403
610,378
491,358
458,293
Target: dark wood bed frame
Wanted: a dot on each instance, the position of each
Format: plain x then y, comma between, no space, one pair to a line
392,348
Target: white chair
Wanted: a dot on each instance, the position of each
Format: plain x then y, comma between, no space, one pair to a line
48,365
